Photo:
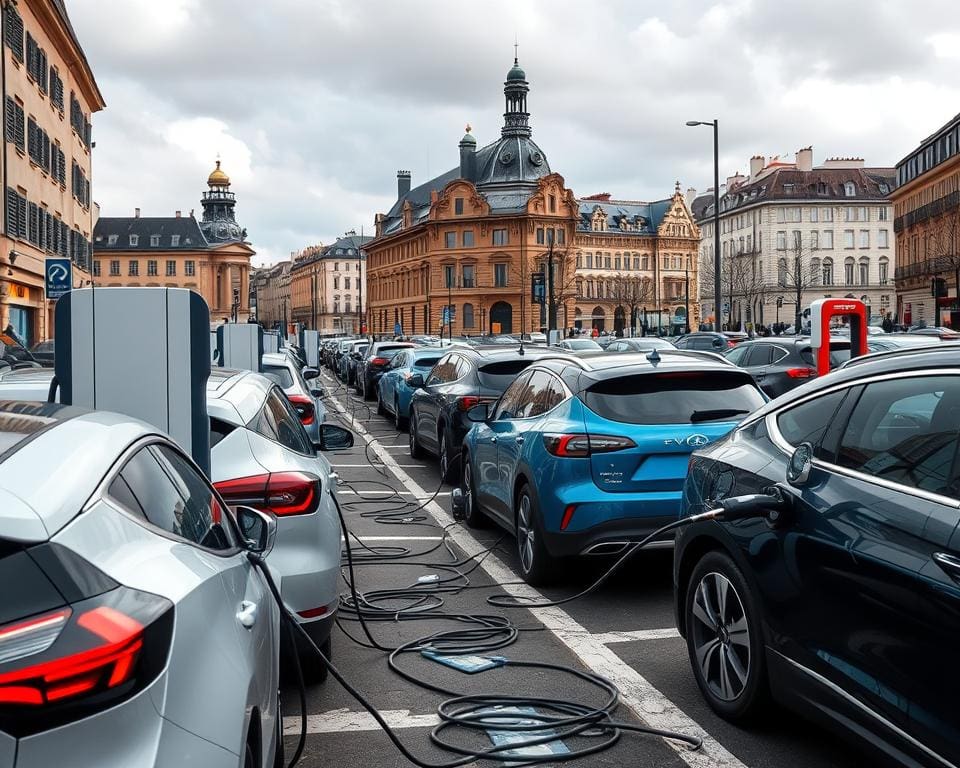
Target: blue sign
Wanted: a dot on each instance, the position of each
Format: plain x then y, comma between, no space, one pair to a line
397,330
59,277
449,313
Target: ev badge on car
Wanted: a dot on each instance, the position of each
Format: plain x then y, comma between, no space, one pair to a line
694,441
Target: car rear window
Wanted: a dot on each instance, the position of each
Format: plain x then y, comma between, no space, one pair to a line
389,352
839,353
426,362
279,374
499,375
674,398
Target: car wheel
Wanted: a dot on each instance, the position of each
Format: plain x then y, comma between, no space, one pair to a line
448,460
249,758
416,451
402,421
381,411
723,638
367,385
537,566
473,516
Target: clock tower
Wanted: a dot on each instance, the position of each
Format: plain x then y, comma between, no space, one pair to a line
219,224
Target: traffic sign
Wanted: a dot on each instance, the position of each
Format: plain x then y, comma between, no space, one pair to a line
397,329
449,314
59,277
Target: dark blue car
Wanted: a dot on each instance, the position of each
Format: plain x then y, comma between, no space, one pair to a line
584,456
845,606
394,391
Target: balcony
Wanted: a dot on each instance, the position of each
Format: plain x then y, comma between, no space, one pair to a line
927,268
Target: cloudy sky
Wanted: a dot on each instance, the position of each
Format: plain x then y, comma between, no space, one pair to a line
313,105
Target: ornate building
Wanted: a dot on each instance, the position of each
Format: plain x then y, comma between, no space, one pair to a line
471,237
270,294
327,285
50,94
210,256
636,266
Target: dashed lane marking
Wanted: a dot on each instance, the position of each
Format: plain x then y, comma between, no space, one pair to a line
346,721
636,692
405,466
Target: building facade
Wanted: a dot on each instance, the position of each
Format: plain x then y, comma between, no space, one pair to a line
49,96
328,286
271,295
636,266
470,238
794,232
926,210
210,256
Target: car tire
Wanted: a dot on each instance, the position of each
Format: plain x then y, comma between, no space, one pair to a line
537,566
402,421
381,411
416,450
249,756
369,389
473,515
314,670
726,651
449,469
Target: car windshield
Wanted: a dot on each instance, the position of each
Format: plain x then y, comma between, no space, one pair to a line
693,397
426,362
582,344
279,374
501,374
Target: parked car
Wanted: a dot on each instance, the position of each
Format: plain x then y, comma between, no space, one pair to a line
43,352
375,361
255,449
893,341
394,391
710,341
577,345
138,631
306,398
639,344
461,379
779,364
847,607
338,353
582,457
349,359
942,333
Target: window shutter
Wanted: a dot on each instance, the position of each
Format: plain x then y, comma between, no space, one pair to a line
86,191
9,119
42,70
22,216
54,235
13,28
12,229
33,224
87,131
62,169
31,138
64,240
20,129
31,56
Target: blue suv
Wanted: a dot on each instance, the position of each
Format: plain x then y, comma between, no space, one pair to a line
394,391
584,456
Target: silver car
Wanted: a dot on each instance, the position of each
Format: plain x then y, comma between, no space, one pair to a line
306,398
134,628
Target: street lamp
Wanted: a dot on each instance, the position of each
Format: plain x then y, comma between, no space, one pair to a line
716,215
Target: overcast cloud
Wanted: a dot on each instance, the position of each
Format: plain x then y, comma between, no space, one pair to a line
313,105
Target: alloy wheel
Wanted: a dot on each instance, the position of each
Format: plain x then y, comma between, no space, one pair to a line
525,533
468,490
721,636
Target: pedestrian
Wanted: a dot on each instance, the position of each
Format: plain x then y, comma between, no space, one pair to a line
887,325
595,333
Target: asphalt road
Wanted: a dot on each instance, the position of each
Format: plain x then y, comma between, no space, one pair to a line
625,632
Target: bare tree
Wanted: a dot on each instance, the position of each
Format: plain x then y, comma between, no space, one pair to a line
731,283
796,274
631,293
749,283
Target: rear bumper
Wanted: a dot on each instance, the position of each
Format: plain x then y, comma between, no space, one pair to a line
609,538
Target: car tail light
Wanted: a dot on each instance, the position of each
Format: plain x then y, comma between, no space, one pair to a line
801,373
87,655
469,401
567,516
581,445
380,361
283,493
731,343
303,405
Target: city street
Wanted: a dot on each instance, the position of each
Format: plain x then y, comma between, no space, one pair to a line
625,632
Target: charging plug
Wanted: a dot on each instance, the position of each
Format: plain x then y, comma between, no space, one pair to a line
430,578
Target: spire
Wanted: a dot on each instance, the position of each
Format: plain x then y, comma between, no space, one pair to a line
515,89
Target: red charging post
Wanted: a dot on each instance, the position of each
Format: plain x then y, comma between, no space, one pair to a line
821,312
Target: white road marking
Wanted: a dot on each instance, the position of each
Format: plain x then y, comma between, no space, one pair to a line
363,492
400,538
606,638
636,692
405,466
345,721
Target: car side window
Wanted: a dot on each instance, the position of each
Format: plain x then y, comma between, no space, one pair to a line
759,354
545,393
512,398
738,355
906,431
777,354
161,486
807,422
279,422
440,371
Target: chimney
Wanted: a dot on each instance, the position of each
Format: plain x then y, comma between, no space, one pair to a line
734,180
178,214
805,159
403,183
690,196
756,165
468,156
136,213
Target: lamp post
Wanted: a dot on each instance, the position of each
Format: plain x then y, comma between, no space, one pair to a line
360,260
716,216
686,300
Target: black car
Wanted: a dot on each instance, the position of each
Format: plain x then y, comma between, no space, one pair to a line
781,363
462,379
710,341
639,344
844,601
376,359
43,352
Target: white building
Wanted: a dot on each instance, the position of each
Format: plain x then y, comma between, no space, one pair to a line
825,231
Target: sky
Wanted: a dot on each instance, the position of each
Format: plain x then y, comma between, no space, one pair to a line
313,105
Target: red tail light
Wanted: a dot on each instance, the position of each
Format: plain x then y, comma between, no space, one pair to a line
467,402
380,361
579,446
801,373
303,405
731,343
567,516
283,493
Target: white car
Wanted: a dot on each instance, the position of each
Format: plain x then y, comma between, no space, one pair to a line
261,457
134,628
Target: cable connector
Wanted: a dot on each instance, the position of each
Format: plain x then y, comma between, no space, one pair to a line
429,578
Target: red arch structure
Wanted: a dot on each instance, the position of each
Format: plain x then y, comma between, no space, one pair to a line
821,312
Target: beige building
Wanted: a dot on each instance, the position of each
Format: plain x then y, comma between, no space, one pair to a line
328,285
49,97
271,295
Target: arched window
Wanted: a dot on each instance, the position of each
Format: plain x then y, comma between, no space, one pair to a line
815,270
864,271
781,272
850,189
848,271
828,271
468,315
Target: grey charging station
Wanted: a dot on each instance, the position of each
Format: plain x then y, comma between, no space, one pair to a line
240,345
271,341
311,348
142,352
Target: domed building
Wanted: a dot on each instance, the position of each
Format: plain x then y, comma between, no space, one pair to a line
471,237
210,256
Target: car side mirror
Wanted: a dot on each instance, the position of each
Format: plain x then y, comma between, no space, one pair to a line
318,392
479,413
798,470
310,373
258,529
334,438
717,344
416,381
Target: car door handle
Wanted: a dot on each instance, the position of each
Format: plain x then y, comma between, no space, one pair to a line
520,440
247,615
493,439
950,564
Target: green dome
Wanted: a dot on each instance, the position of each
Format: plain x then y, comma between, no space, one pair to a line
516,73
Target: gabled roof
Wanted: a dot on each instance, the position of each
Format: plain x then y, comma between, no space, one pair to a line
121,227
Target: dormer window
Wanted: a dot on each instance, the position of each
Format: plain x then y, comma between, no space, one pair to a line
850,189
134,240
154,241
884,188
174,240
111,240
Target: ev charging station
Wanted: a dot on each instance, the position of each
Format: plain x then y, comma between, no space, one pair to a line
142,352
240,345
821,312
311,348
271,341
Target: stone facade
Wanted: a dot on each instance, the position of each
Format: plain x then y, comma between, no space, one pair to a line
327,286
271,295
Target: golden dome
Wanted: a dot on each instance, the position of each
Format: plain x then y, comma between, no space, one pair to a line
218,178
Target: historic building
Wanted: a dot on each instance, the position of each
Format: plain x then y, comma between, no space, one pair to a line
270,294
49,96
210,256
792,229
327,285
926,209
470,238
636,266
